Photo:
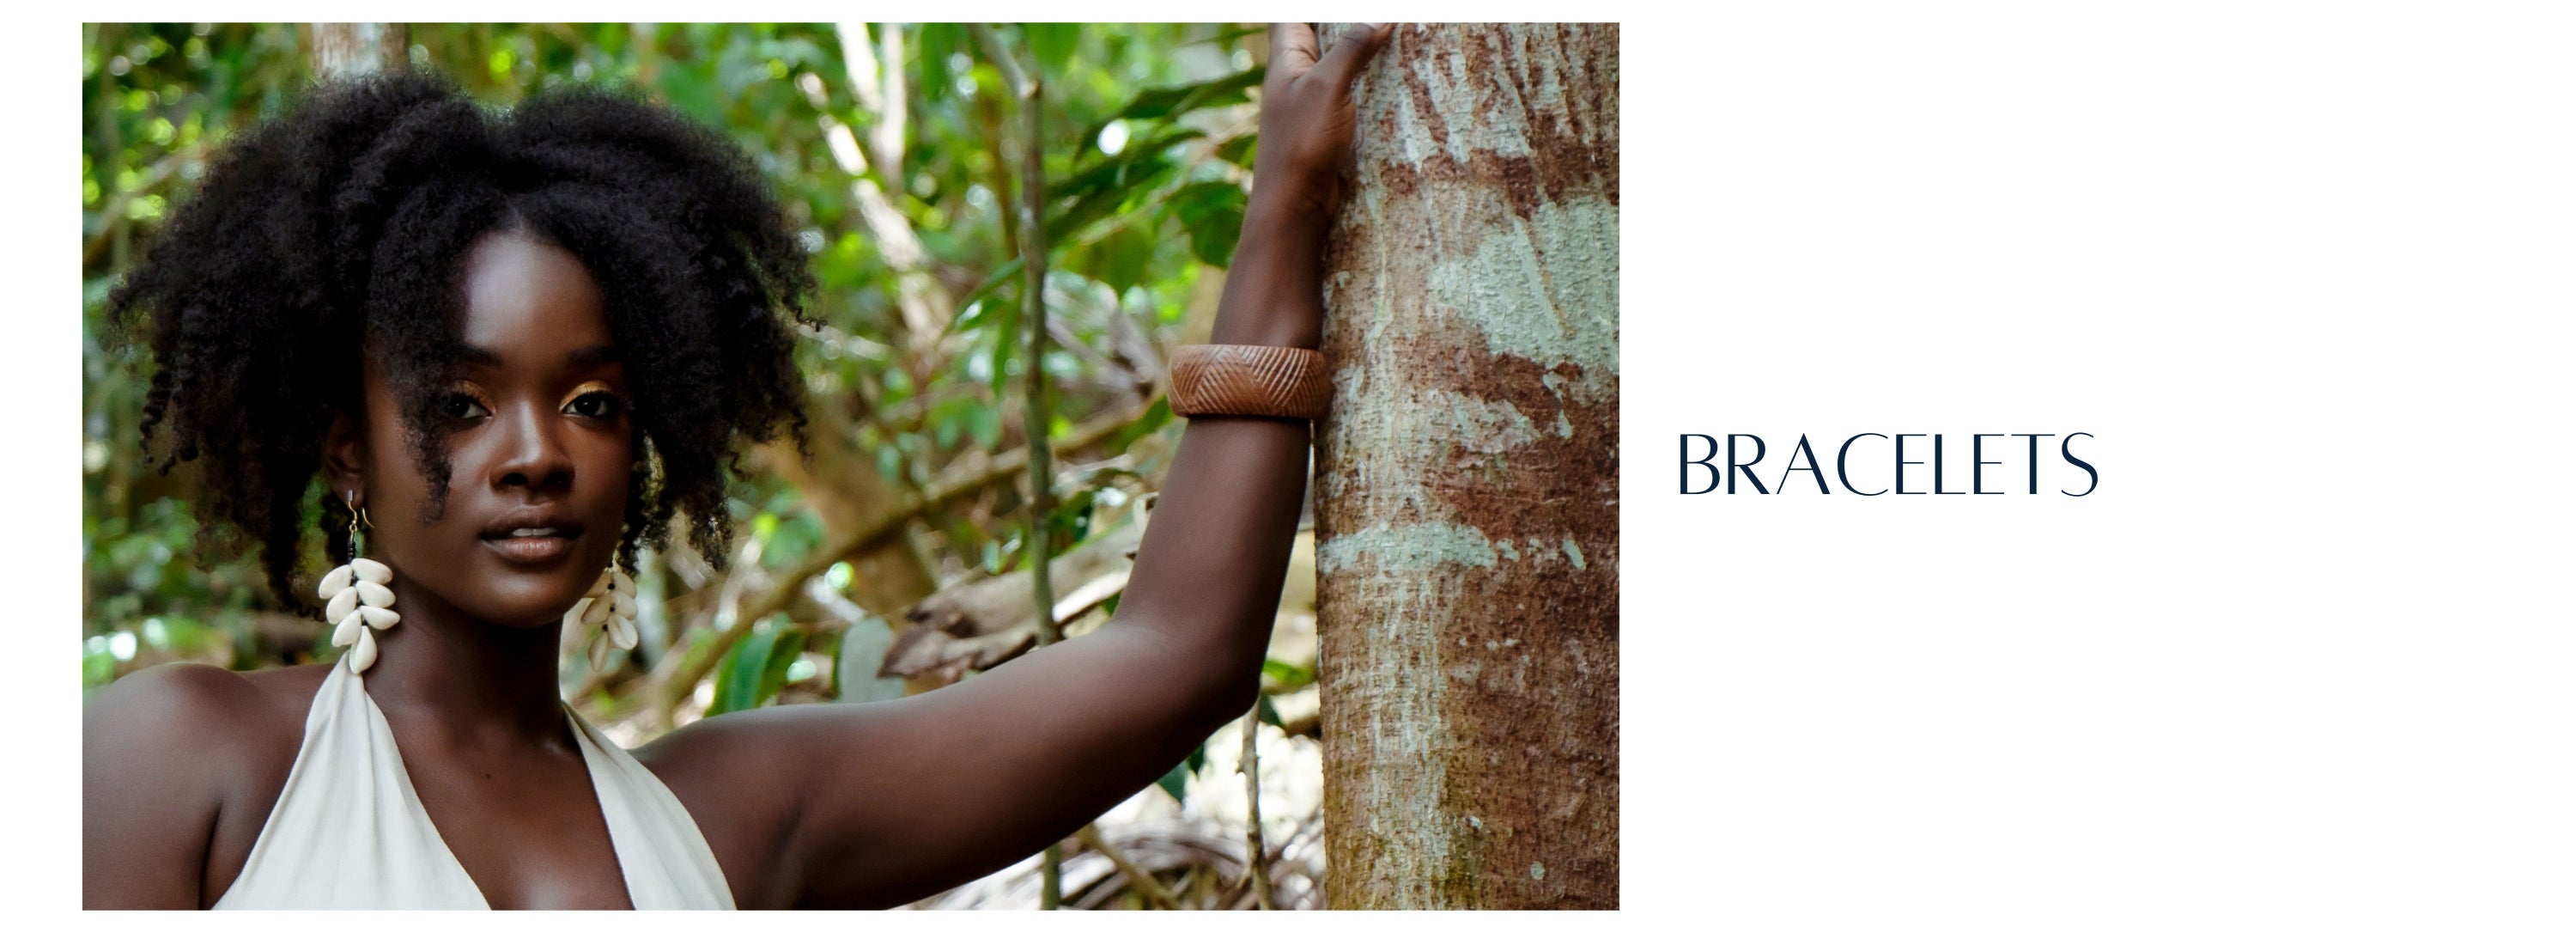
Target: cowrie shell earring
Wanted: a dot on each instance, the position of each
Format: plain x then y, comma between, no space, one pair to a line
360,598
610,604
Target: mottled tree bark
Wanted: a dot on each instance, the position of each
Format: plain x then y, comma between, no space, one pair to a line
343,50
1467,504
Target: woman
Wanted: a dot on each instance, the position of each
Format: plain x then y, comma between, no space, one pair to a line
513,349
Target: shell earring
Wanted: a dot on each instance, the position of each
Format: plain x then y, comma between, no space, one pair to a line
361,597
610,604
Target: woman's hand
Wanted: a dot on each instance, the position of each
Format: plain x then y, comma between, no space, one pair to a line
1307,116
1274,292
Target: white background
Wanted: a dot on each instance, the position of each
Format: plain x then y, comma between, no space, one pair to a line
2304,661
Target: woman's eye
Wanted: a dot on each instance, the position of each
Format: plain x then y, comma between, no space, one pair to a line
596,405
460,406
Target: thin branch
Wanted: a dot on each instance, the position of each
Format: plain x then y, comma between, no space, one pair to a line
926,306
1137,877
681,670
1033,312
887,136
1022,85
1033,262
859,62
1257,857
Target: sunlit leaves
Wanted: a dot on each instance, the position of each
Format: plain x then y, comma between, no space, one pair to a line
1172,101
1127,231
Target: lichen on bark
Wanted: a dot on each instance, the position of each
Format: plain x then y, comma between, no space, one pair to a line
1467,478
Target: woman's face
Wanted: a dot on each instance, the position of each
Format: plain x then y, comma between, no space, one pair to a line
539,455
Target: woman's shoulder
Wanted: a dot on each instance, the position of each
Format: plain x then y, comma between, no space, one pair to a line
203,709
180,764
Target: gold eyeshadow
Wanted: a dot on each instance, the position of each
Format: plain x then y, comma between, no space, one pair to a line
586,388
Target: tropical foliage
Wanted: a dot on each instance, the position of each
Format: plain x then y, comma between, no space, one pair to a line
887,564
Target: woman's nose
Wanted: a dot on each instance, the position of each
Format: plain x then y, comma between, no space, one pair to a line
534,455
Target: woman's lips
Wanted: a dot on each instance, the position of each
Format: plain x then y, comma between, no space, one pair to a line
533,549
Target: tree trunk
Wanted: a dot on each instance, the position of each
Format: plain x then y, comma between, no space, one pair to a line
344,50
1467,504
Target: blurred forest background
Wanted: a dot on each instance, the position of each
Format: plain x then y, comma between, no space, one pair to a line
896,562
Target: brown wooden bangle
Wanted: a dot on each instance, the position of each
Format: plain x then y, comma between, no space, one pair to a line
1248,380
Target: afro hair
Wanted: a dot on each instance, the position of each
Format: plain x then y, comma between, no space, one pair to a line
345,223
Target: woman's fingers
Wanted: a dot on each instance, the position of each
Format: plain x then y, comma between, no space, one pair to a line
1359,41
1292,51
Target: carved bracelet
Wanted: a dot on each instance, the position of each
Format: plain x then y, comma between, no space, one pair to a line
1249,381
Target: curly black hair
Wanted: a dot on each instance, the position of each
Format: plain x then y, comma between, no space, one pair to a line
347,221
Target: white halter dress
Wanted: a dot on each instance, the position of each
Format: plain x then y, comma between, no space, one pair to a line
349,832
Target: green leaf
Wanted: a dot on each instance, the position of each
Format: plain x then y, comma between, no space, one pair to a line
1176,782
737,674
1213,242
1161,102
1100,191
1288,676
1212,212
1120,259
1003,349
1226,35
1269,713
782,655
1152,420
1071,520
752,672
1123,169
980,308
1198,202
933,44
1240,150
1051,44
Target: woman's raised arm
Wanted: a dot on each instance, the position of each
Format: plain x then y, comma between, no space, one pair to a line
877,804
